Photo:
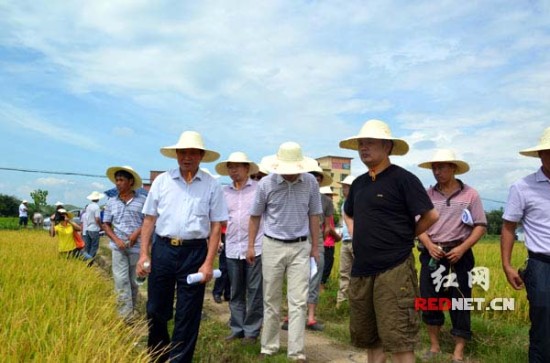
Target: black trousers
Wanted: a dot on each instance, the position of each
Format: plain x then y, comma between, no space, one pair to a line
460,319
170,266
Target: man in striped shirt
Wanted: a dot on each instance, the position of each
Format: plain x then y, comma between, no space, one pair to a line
447,247
289,202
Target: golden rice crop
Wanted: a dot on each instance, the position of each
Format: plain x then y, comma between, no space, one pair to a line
58,310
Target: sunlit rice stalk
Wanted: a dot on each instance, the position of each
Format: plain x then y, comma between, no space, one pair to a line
57,310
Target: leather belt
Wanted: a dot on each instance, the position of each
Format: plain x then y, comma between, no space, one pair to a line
449,244
539,256
177,242
299,239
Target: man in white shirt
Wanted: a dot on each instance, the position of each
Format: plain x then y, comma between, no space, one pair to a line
92,223
23,214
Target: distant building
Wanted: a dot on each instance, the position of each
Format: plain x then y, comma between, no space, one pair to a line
339,168
152,175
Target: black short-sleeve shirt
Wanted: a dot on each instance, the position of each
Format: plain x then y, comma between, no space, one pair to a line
384,218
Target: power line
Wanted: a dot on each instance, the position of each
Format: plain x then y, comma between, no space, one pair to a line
57,172
494,201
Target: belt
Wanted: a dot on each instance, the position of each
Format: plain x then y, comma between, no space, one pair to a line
449,244
539,256
299,239
177,242
346,240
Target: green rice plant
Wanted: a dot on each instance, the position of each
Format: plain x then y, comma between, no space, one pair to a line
58,310
9,223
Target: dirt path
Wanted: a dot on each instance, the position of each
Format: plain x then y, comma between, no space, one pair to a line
319,348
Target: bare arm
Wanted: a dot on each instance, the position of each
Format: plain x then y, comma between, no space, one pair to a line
213,243
314,230
145,252
349,223
253,227
507,239
426,220
111,234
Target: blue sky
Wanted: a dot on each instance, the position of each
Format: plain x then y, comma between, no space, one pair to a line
91,84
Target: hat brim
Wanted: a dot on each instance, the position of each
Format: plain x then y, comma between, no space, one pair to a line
221,168
327,179
137,179
95,197
400,147
170,152
461,166
534,151
273,165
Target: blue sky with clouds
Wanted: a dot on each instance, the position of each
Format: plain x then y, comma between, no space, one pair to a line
91,84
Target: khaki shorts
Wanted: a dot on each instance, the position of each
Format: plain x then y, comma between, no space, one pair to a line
382,310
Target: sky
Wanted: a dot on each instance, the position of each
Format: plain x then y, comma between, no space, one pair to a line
86,85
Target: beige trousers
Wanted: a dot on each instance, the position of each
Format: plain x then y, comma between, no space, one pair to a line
346,261
278,258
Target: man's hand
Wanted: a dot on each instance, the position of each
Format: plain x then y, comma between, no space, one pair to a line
207,272
141,271
250,255
455,254
513,277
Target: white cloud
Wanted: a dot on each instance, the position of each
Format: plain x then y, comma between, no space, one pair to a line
52,182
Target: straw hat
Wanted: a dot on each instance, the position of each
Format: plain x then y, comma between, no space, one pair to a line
113,169
348,180
95,195
446,156
64,211
544,144
262,168
289,160
327,179
24,202
376,129
236,157
326,190
57,204
190,140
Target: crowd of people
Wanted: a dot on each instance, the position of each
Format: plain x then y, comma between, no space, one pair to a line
275,221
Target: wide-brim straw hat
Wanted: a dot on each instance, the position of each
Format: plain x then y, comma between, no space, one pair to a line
57,204
237,157
113,169
348,180
446,156
289,160
95,195
64,211
326,190
376,129
190,140
544,144
327,179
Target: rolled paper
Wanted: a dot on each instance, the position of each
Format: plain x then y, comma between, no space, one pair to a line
197,277
312,268
467,217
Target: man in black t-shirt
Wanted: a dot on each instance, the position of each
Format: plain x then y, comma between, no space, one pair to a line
382,209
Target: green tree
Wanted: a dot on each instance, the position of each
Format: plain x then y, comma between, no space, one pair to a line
494,221
9,206
39,197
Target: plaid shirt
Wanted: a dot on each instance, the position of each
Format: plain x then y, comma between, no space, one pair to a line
286,207
125,218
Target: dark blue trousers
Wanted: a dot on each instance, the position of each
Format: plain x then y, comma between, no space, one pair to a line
170,266
537,284
460,319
